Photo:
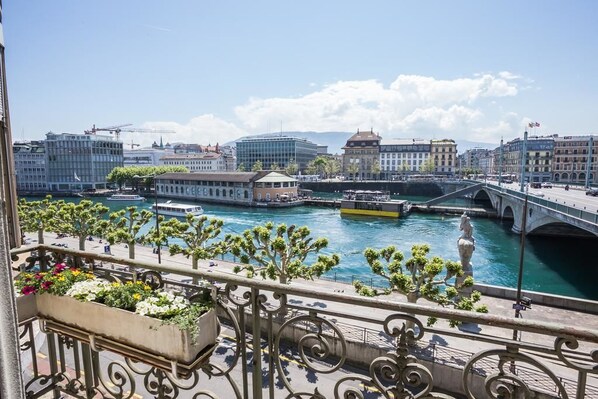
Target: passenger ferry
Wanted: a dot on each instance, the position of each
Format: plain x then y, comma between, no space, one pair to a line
169,208
125,197
373,203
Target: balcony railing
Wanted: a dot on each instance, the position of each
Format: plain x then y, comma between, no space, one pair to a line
307,341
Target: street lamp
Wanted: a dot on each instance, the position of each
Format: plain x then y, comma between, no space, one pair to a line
156,212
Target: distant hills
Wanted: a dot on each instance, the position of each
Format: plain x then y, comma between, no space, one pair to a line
335,140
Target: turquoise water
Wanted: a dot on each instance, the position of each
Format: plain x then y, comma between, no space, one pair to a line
556,265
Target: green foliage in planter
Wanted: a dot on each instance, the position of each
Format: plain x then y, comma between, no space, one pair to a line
126,296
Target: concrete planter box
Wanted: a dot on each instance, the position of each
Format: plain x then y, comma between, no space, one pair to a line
130,329
26,308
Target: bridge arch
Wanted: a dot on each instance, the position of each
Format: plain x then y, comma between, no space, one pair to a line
507,213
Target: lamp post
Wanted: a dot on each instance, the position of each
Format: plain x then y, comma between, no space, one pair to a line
156,214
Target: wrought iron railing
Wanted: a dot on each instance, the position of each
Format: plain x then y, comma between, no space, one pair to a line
289,341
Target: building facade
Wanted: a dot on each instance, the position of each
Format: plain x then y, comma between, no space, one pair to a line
30,166
196,162
444,155
234,188
278,151
403,156
361,156
144,156
572,160
75,162
537,158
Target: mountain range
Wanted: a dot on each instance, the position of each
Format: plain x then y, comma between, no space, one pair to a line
336,140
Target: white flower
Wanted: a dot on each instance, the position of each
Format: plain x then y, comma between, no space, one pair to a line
164,304
88,290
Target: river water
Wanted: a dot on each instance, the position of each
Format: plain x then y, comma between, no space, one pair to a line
563,266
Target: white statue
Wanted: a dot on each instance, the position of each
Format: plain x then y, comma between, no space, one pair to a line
466,245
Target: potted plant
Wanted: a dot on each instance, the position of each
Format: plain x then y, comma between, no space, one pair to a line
131,314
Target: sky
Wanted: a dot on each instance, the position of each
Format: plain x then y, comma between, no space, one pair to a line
214,71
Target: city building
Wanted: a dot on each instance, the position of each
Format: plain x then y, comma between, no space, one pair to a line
196,162
470,159
402,156
279,150
570,162
538,158
30,167
144,156
361,156
235,188
486,162
76,162
444,155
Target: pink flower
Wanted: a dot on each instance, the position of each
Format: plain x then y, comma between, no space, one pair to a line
38,276
28,290
46,285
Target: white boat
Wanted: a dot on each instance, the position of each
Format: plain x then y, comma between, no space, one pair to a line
125,197
178,210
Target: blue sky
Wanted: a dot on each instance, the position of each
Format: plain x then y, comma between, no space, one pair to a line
217,70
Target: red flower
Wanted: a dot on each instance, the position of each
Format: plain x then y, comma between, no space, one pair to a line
38,276
59,267
46,285
28,290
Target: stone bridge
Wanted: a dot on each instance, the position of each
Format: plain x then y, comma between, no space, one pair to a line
544,217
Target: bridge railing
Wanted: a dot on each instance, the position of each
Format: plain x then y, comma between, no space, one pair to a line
568,210
308,336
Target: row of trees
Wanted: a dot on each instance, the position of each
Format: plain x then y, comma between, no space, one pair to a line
279,252
135,176
322,166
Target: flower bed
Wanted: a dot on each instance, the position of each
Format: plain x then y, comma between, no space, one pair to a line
130,314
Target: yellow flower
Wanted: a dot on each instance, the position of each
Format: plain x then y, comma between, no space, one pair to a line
76,272
136,297
129,283
115,284
147,288
61,278
139,282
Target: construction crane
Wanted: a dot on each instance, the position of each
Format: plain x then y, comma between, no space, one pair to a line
116,130
133,145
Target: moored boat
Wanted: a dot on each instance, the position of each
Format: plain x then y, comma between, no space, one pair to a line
169,208
372,203
125,197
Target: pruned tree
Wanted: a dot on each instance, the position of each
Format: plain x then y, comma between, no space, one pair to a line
376,169
333,166
257,166
125,225
81,220
421,277
292,167
274,166
427,167
353,170
280,254
199,236
241,167
39,216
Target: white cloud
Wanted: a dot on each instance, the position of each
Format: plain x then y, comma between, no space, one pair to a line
203,129
411,106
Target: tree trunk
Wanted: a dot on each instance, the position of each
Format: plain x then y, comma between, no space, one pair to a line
132,250
82,242
40,236
195,266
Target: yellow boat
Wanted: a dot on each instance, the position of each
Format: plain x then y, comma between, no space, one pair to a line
372,203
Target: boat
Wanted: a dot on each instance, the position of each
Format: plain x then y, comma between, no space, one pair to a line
125,197
373,203
170,208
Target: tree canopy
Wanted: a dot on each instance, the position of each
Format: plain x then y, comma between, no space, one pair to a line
129,175
280,253
420,277
125,226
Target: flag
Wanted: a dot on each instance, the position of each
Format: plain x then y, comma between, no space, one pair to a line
77,177
537,124
531,124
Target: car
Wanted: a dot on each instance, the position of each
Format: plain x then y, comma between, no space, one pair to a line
536,184
537,193
547,184
593,192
